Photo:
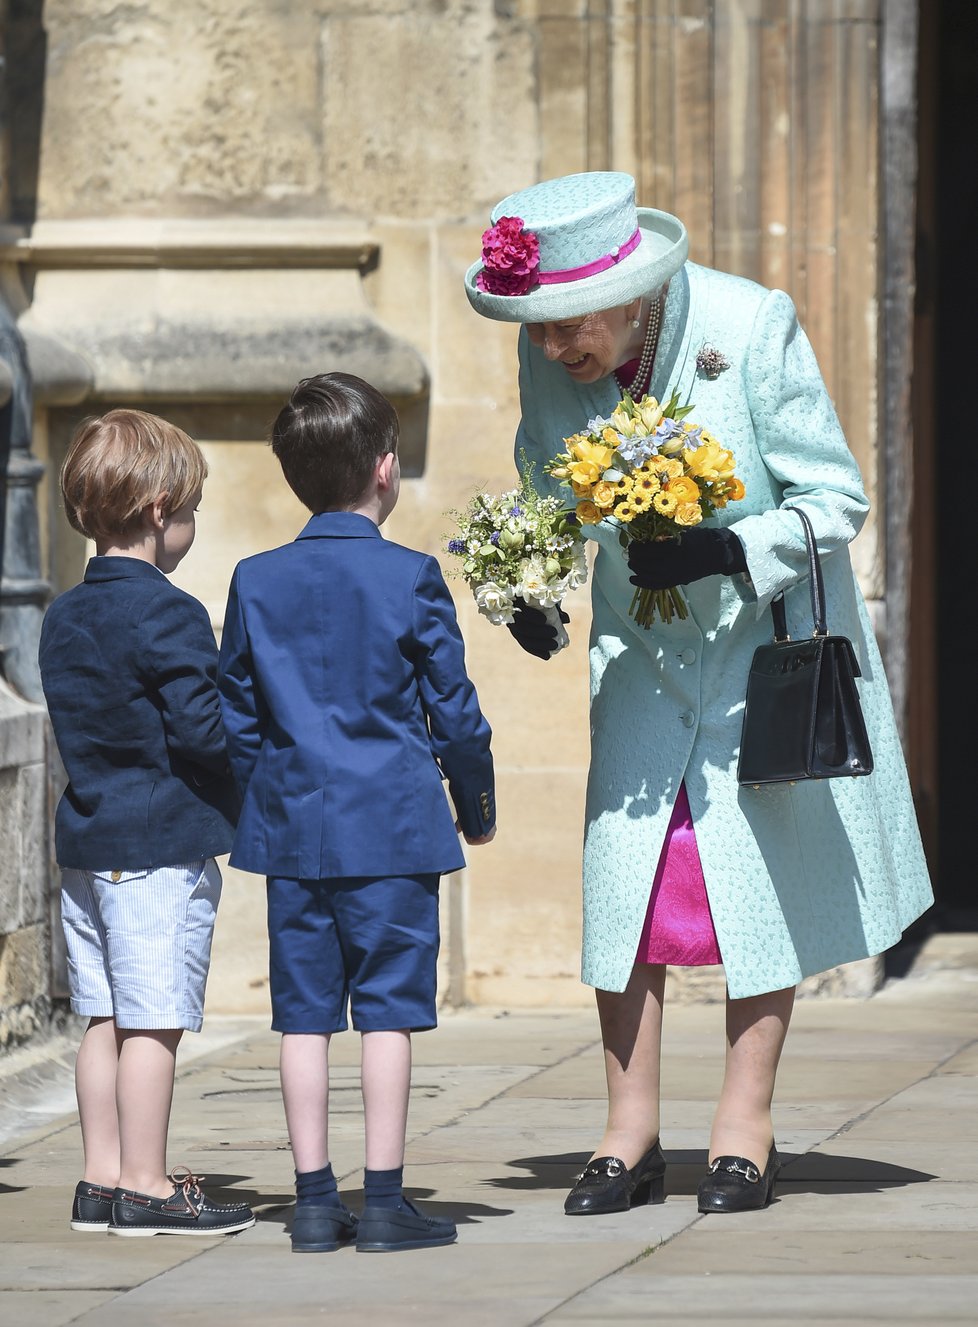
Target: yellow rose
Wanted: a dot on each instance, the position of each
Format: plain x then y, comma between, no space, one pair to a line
604,494
684,489
688,513
625,512
668,468
664,503
588,514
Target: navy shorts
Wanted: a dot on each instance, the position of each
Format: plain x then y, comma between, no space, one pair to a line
370,940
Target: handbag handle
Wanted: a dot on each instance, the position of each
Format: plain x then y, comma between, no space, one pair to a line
815,585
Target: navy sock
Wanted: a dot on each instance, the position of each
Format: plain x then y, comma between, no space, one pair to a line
317,1187
382,1188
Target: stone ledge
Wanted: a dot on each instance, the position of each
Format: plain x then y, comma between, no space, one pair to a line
135,310
225,243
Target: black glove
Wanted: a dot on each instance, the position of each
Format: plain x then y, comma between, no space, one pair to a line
532,631
698,552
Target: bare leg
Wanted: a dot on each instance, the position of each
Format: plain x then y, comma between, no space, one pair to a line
386,1081
304,1068
143,1094
756,1029
95,1073
631,1031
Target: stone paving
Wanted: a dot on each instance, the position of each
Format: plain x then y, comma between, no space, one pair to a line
876,1217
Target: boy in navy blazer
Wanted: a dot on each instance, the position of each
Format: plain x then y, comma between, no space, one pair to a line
346,701
129,669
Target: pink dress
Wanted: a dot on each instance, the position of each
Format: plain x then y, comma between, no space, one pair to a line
678,925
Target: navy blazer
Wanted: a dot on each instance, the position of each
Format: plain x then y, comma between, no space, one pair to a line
129,669
345,696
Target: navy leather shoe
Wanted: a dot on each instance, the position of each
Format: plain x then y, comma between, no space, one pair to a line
384,1229
91,1207
734,1184
322,1229
188,1211
607,1185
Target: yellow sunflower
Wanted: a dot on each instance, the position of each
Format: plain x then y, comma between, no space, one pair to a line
641,500
665,503
625,512
647,481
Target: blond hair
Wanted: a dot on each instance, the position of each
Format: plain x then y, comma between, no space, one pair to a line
120,462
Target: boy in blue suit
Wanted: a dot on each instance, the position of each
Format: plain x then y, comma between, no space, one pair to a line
129,669
346,700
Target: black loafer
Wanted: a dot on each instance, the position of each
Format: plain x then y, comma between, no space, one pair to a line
735,1184
91,1207
607,1185
322,1229
188,1211
385,1229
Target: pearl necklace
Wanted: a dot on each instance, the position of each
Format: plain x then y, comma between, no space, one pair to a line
648,348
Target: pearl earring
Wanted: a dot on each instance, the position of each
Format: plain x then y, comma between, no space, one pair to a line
636,322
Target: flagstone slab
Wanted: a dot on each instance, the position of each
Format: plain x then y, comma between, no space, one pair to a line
814,1294
50,1308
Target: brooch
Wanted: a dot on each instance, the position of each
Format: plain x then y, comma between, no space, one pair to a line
711,363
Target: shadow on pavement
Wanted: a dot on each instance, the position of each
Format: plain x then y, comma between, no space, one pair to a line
810,1172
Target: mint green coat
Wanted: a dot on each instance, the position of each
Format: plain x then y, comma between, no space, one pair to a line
799,878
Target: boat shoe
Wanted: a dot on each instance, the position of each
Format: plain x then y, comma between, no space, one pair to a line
91,1207
188,1211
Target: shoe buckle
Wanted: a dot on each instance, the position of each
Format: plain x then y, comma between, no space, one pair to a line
749,1171
609,1166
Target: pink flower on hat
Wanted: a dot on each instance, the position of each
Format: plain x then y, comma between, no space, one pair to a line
510,256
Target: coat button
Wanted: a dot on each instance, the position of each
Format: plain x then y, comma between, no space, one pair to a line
116,875
687,656
687,718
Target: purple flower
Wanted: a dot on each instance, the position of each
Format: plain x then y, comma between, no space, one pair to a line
494,538
456,545
517,510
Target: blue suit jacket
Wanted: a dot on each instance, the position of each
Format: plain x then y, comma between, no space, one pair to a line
129,669
345,695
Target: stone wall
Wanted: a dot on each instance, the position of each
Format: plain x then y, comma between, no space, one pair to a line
217,181
25,876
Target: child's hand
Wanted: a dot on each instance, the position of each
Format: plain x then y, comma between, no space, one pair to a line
483,838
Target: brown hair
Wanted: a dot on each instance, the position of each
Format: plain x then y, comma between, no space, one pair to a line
120,462
329,436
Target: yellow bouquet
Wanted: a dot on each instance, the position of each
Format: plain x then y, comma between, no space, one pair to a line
652,471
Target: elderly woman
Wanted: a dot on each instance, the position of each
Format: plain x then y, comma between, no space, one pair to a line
681,864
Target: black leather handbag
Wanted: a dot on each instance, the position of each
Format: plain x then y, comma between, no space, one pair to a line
803,719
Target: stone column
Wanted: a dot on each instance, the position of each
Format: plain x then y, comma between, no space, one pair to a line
25,930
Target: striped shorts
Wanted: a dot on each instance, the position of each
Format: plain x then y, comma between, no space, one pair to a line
139,943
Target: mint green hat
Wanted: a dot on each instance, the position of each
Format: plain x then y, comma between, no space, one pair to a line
570,246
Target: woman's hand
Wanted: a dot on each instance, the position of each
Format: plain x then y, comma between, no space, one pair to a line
532,631
661,564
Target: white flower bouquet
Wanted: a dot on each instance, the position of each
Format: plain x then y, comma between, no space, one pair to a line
519,546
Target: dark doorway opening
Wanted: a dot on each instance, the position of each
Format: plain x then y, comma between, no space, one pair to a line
946,524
